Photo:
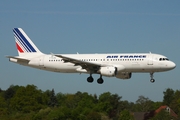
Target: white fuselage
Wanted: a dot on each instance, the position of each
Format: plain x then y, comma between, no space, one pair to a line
130,62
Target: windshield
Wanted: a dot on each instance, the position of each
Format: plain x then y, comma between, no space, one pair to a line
163,59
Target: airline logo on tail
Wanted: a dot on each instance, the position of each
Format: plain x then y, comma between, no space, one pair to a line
23,42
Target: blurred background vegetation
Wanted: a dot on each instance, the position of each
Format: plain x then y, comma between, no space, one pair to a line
30,103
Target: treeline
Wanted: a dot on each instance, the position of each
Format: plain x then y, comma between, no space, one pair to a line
30,103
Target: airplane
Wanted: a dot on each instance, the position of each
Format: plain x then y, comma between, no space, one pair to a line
109,65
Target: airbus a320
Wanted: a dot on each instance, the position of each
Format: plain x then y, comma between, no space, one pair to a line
110,65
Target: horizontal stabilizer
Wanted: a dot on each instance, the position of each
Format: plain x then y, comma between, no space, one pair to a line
17,58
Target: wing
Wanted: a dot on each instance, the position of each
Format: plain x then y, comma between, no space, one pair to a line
89,66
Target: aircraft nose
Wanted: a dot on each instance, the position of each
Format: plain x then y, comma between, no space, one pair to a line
172,65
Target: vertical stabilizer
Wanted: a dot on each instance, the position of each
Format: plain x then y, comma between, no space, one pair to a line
23,43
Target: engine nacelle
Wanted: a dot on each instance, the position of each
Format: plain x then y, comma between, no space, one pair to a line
124,75
108,71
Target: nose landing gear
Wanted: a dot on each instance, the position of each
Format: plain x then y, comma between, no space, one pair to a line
152,79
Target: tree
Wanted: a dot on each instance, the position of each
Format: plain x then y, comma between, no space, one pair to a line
175,103
126,115
93,116
60,113
52,100
27,99
126,105
3,107
156,105
104,102
60,99
168,96
109,103
86,100
144,104
70,101
9,93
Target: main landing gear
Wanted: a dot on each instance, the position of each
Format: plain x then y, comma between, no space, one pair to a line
99,80
90,79
152,79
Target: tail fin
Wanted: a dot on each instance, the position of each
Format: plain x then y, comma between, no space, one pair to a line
23,43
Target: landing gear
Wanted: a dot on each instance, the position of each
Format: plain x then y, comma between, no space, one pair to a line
90,79
100,80
152,79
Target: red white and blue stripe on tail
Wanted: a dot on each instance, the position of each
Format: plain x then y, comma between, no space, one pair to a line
23,42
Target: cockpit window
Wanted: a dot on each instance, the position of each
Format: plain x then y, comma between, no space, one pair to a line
163,59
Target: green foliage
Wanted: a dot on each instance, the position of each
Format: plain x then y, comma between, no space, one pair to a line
52,99
144,104
175,103
27,99
156,105
109,103
172,99
30,103
93,116
3,103
60,99
9,93
61,113
168,96
42,114
126,115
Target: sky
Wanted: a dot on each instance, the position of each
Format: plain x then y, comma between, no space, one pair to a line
103,26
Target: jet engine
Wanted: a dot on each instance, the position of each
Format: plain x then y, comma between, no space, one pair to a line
108,71
124,75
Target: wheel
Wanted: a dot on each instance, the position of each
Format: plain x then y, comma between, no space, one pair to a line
152,80
90,79
100,80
